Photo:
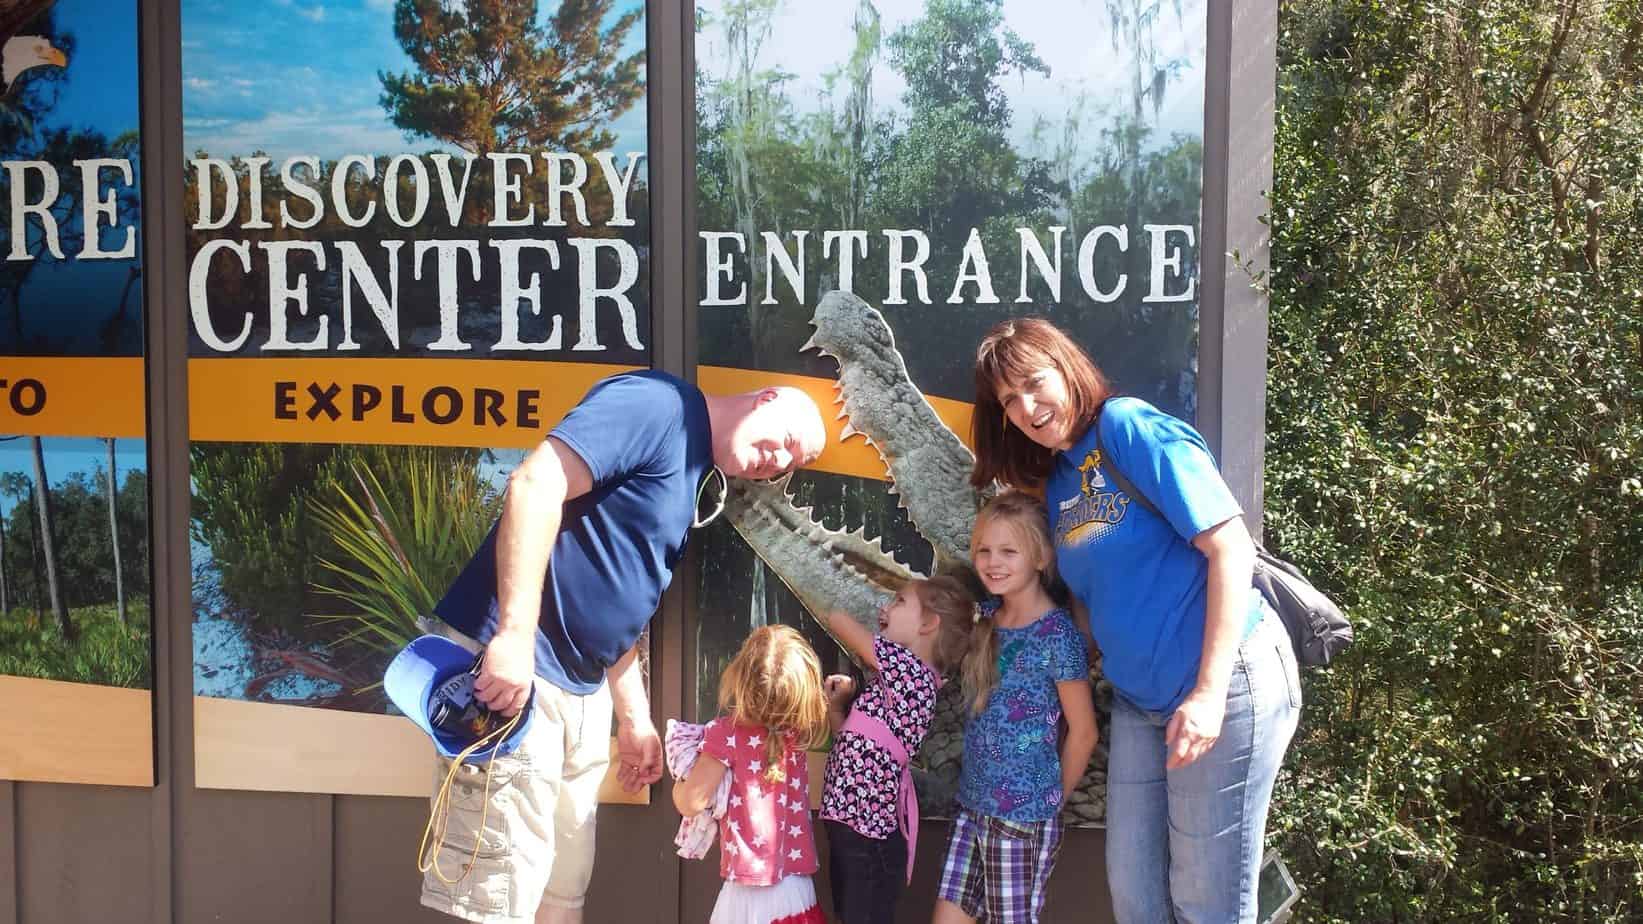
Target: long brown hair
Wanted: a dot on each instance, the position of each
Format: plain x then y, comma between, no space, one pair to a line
1011,352
775,681
1025,516
952,603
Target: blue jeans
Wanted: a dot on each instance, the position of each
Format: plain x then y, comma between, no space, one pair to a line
866,874
1184,845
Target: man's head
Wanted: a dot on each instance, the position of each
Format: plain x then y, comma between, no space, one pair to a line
766,433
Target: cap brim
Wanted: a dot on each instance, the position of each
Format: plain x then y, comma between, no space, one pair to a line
410,681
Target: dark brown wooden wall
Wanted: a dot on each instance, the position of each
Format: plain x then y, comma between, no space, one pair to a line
174,853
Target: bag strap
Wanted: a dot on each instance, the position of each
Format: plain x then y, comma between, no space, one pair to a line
1124,483
1128,487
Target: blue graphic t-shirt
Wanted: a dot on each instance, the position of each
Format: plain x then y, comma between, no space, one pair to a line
1012,765
646,441
1143,581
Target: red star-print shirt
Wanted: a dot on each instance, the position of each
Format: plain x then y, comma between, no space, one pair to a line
765,834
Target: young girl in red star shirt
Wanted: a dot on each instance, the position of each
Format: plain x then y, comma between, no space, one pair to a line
772,709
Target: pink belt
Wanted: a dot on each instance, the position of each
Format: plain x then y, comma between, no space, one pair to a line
876,731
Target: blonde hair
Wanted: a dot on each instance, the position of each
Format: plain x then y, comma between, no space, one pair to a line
952,602
775,681
1025,516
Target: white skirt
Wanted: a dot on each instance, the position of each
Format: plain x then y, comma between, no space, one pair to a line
750,904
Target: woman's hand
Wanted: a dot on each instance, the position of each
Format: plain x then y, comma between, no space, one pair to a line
1196,724
1194,727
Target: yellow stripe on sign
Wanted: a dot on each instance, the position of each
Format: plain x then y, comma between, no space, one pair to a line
847,457
490,403
72,396
446,402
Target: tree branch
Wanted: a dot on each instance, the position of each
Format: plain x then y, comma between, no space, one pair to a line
1594,180
1532,110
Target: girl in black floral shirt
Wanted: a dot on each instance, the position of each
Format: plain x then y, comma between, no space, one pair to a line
867,799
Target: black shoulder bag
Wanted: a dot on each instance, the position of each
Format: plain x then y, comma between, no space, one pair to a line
1317,628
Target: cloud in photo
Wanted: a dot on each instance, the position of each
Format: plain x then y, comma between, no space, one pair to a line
321,132
809,40
297,77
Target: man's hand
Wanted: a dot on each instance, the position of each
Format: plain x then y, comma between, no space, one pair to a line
638,748
638,754
504,683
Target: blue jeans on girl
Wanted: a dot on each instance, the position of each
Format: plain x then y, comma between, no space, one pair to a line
1185,845
866,874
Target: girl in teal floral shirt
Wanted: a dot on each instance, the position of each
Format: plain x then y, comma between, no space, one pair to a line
1027,669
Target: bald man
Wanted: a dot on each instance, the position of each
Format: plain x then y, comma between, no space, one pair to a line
593,524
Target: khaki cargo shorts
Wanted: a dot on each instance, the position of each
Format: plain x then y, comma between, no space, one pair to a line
537,845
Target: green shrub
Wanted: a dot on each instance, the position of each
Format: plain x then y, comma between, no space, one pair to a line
1455,424
255,506
400,546
107,653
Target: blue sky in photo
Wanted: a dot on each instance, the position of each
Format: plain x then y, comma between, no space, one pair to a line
66,456
292,77
101,92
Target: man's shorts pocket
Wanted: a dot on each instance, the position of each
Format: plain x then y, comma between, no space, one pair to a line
486,887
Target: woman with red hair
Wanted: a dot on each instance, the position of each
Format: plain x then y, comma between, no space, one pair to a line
1207,689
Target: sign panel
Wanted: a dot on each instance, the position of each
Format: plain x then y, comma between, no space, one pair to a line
75,639
945,165
417,232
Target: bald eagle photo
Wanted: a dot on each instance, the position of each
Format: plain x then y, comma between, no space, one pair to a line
19,53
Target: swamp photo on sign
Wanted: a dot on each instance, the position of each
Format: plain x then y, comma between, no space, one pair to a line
405,186
879,182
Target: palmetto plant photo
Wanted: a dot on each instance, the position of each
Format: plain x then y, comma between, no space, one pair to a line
313,563
401,538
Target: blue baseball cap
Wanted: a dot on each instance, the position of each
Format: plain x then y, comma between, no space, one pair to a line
434,665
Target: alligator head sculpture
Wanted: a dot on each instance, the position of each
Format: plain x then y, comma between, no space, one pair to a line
929,469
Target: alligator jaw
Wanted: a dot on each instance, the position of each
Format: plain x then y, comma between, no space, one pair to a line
929,469
929,466
826,569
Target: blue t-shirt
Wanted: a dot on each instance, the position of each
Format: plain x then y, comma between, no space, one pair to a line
1139,574
1012,765
646,441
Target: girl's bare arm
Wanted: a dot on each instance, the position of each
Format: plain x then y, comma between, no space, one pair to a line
854,636
1079,709
694,794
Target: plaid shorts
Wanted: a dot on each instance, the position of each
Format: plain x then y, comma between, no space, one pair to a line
997,870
